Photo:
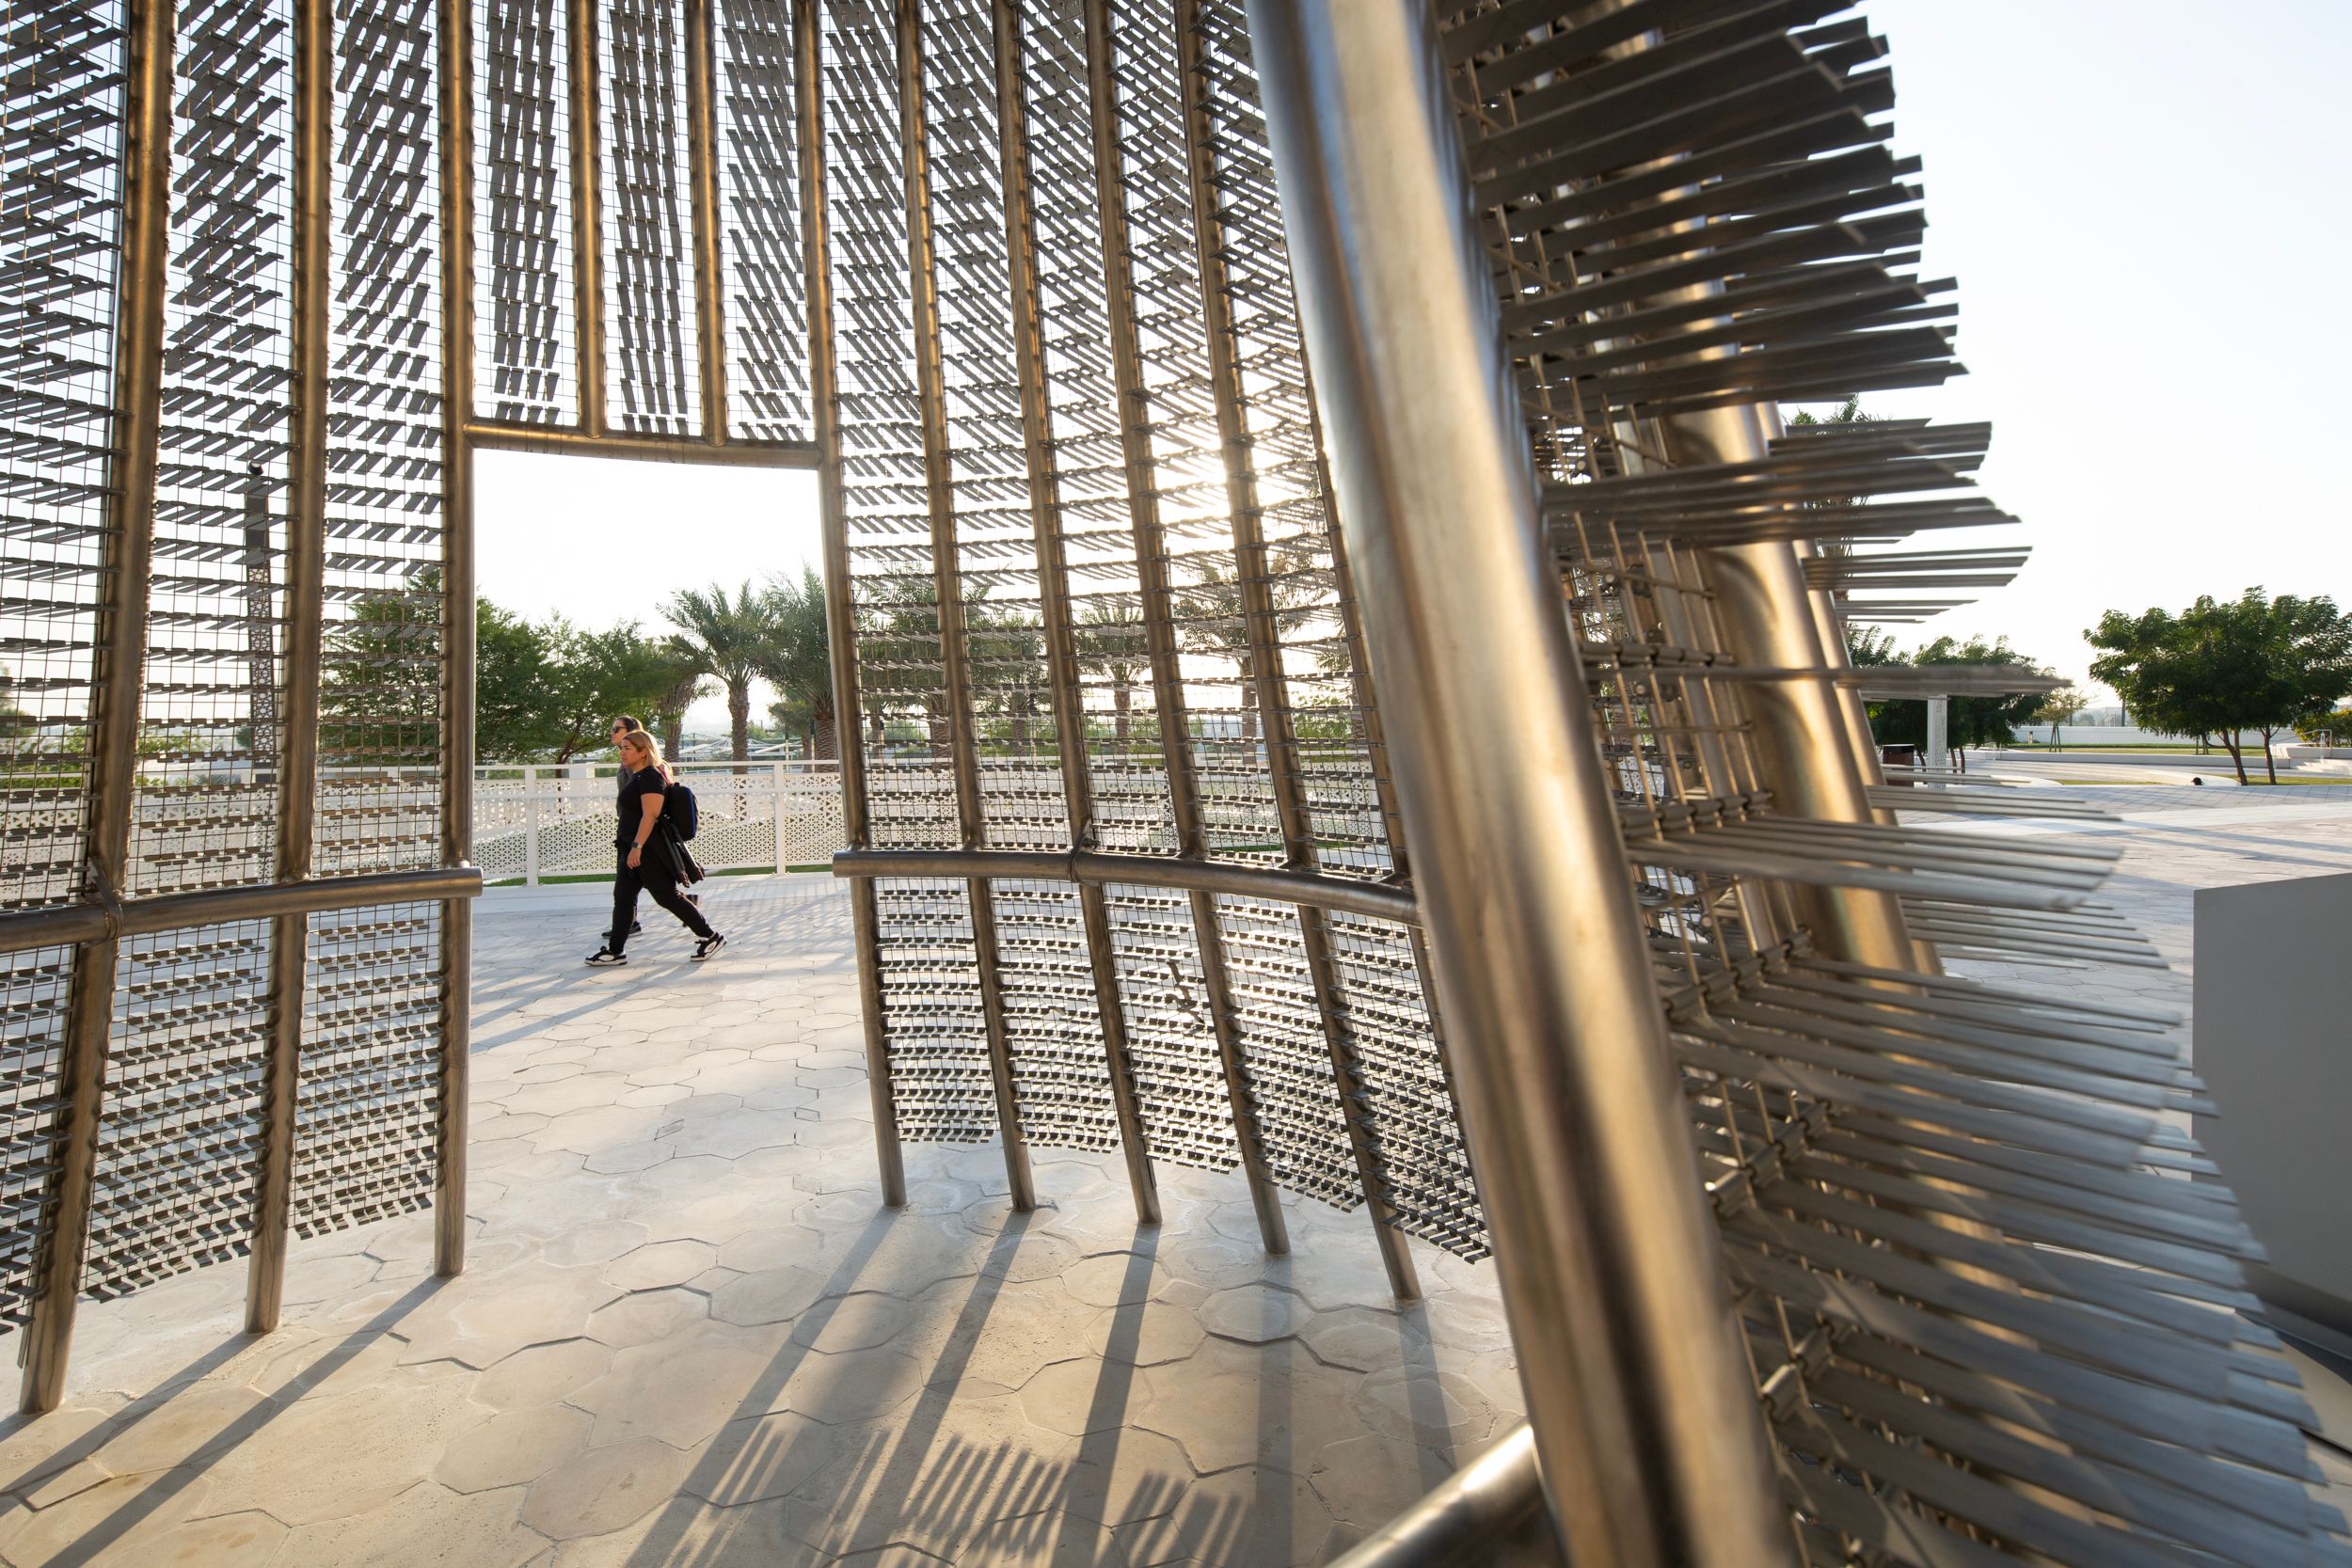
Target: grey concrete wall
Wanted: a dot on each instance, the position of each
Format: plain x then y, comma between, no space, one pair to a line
2274,1044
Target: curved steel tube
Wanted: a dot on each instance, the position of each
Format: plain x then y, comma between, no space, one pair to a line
1377,900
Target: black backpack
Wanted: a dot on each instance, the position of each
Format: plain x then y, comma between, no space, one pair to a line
679,810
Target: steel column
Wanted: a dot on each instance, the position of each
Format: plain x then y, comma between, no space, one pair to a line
587,146
702,171
1052,578
121,644
458,625
1151,588
824,396
305,573
1652,1447
1798,724
1251,573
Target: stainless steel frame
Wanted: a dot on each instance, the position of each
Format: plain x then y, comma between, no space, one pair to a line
114,749
305,583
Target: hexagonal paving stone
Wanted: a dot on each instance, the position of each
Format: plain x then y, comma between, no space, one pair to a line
542,1373
1367,1480
1255,1313
1146,1335
854,1386
1111,1278
759,1457
661,1263
603,1489
595,1241
511,1449
768,1296
358,1452
679,1390
1082,1397
852,1322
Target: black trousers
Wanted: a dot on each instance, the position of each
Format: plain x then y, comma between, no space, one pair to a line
657,875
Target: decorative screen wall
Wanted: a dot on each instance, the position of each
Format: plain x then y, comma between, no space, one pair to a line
224,652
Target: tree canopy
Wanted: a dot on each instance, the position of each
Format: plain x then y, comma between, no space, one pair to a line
2223,666
1971,720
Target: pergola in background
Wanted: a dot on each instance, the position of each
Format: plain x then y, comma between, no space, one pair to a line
1492,674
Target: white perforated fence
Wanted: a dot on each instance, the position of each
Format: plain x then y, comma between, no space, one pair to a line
533,823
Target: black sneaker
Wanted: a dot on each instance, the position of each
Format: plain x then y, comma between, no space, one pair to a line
604,957
705,947
637,928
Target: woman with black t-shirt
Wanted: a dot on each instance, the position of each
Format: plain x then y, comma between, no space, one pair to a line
649,856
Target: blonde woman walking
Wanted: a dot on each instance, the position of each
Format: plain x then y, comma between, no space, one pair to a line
650,857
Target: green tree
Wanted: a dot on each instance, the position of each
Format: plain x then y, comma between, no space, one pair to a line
380,678
2221,666
800,661
734,637
593,675
2058,708
2333,727
514,675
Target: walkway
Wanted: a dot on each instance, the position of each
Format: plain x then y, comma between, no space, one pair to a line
688,1335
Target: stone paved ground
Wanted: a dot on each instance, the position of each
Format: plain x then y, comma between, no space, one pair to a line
688,1335
690,1338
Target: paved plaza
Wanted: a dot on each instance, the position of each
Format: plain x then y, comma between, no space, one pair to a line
688,1335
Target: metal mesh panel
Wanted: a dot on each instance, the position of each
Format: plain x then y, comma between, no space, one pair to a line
380,745
649,282
179,1149
760,224
209,730
369,1068
523,213
60,212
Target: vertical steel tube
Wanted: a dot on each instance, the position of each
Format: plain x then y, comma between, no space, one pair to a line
1151,538
458,625
954,649
824,390
586,69
1798,724
1053,579
1251,571
702,169
1652,1448
305,571
121,659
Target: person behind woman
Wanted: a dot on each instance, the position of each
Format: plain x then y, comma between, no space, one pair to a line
650,858
622,727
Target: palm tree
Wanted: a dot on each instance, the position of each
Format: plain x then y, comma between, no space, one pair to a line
689,679
798,663
1111,643
1217,623
732,637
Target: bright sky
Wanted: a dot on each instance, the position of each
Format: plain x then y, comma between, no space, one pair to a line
605,542
2144,204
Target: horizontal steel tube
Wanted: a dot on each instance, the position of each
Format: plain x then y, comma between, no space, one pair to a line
1465,1518
1373,900
496,436
23,930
